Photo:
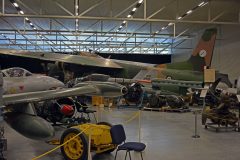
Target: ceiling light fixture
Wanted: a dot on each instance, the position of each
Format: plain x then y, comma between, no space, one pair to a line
189,12
15,4
200,4
204,4
179,18
21,12
140,1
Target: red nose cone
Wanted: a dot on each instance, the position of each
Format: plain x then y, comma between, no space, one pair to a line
67,110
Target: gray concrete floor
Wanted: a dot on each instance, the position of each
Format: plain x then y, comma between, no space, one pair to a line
167,136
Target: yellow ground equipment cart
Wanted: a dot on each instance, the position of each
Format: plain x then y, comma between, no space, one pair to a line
77,149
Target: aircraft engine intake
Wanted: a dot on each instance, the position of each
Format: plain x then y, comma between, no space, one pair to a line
135,93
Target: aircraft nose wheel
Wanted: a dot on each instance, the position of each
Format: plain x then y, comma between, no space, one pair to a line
75,149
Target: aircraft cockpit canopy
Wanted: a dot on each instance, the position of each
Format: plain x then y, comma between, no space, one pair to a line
16,72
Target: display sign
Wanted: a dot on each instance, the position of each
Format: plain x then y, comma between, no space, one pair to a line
203,93
209,75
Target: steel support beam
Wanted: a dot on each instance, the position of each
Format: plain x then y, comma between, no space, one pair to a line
22,34
91,8
161,9
3,6
63,8
126,9
145,9
120,19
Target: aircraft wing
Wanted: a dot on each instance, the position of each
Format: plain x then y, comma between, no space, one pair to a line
86,88
38,96
72,59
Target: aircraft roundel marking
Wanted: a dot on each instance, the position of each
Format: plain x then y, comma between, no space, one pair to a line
202,53
21,87
169,77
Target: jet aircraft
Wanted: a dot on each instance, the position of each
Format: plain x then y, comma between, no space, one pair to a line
201,57
87,63
19,80
19,113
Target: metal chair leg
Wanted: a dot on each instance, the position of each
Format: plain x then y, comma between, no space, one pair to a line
141,155
130,155
126,155
115,155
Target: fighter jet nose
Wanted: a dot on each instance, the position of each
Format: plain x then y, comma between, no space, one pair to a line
124,90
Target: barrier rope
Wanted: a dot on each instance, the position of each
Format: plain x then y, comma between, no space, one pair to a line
132,118
118,116
52,150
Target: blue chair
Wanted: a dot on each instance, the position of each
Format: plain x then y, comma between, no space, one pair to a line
118,138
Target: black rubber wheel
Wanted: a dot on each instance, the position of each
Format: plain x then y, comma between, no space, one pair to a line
110,125
76,149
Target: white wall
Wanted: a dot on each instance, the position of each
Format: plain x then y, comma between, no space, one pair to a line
226,56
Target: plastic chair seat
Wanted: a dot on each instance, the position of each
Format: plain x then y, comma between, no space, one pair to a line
132,146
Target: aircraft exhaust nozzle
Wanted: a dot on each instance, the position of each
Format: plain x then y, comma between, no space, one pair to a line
30,126
124,90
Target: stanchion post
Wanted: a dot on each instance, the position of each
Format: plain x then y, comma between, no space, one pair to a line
97,117
195,126
89,145
139,125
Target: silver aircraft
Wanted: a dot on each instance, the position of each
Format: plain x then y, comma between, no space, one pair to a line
19,80
19,113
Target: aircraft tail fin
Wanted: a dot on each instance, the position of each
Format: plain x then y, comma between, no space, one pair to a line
202,54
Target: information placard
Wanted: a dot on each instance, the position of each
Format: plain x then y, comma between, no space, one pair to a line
209,75
203,93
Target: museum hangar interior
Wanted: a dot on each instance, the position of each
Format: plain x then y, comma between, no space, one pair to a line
111,80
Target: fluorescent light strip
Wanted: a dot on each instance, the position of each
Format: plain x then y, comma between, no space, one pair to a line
191,10
27,19
130,14
15,4
179,18
21,12
200,4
